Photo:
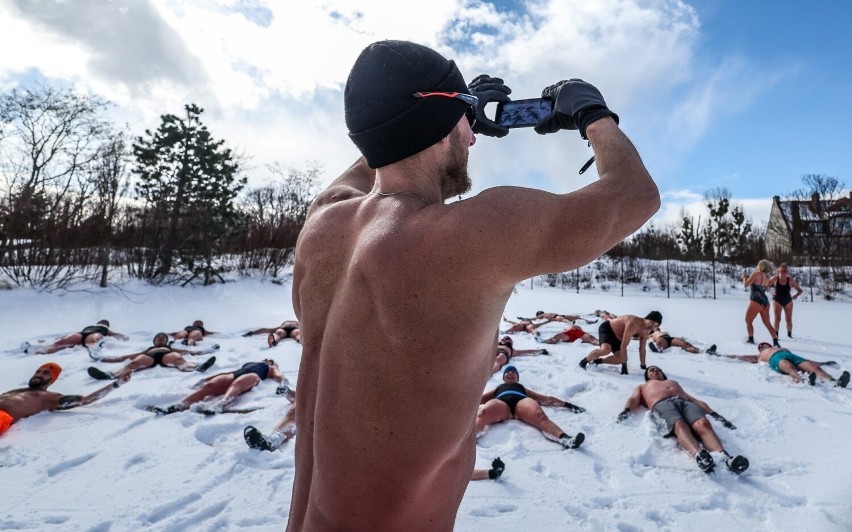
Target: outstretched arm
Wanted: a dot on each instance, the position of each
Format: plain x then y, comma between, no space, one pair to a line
547,400
67,402
119,335
633,402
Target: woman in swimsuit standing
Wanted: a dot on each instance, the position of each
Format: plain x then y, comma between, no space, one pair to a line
782,298
758,303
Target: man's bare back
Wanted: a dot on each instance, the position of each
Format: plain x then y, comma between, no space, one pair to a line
391,375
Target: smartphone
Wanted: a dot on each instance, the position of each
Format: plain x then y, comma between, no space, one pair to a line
523,113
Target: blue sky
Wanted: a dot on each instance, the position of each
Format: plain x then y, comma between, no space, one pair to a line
745,95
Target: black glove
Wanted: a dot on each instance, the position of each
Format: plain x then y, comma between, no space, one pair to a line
488,89
246,335
723,421
576,104
497,468
623,415
574,408
543,352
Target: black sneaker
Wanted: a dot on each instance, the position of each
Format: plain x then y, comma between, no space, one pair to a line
775,342
624,369
789,334
584,362
256,440
705,461
653,347
750,340
164,411
711,350
572,442
812,378
737,464
843,381
206,364
95,373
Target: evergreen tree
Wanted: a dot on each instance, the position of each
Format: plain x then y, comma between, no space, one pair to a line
188,181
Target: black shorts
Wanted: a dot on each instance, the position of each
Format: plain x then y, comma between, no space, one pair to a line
607,336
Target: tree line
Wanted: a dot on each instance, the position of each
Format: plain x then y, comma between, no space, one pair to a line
83,200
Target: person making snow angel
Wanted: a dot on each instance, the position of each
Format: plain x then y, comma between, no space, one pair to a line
380,251
89,337
506,350
35,398
159,354
785,361
512,400
676,412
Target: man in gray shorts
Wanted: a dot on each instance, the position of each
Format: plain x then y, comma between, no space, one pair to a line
676,412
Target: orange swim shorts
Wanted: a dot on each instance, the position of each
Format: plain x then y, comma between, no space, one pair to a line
5,421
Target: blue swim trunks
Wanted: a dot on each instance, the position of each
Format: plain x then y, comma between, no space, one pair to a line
776,359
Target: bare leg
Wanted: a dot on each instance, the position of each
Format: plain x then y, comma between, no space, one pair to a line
685,437
65,342
175,360
602,350
560,337
296,334
788,368
138,362
815,368
238,387
776,312
589,339
215,386
704,430
683,344
764,316
494,411
788,317
530,412
752,311
499,362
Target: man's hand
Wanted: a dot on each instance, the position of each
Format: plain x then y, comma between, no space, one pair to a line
247,334
623,415
723,421
576,104
497,468
488,89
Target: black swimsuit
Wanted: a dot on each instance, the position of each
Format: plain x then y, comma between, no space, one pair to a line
511,393
191,328
288,330
782,292
261,369
93,329
157,353
506,350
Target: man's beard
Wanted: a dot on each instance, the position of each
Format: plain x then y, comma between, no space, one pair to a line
456,181
37,383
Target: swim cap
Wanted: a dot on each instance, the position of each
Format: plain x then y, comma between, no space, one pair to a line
54,369
385,120
511,368
655,315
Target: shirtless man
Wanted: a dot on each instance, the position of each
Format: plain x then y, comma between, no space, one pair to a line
384,269
288,329
192,334
524,325
785,361
159,354
564,318
675,411
614,336
89,337
25,402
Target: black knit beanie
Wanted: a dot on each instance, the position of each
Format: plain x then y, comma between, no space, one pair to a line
655,315
385,120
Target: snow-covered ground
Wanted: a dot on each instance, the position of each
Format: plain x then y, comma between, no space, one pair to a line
114,466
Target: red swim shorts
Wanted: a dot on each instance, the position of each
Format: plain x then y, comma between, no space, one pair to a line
5,421
574,334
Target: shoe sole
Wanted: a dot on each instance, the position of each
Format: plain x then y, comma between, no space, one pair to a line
843,381
738,464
